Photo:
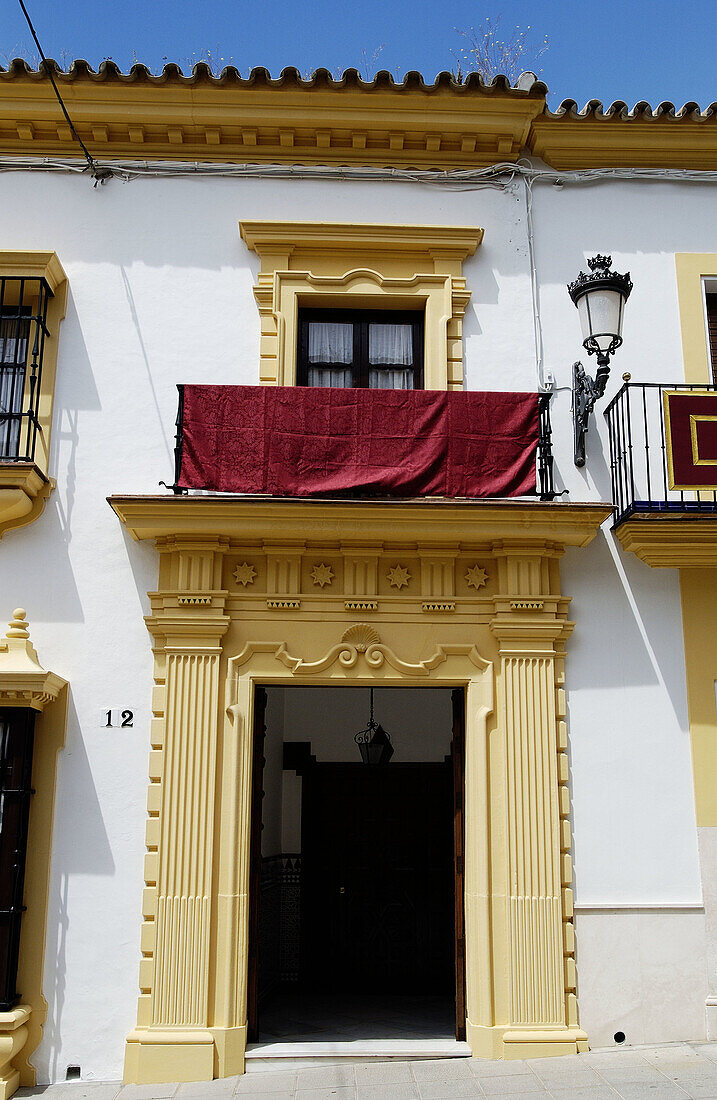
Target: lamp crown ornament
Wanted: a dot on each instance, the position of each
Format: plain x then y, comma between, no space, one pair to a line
600,275
599,296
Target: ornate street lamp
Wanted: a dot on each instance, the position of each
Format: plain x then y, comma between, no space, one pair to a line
600,300
374,743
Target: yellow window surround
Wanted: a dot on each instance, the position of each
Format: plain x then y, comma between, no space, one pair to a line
25,485
692,269
361,266
25,683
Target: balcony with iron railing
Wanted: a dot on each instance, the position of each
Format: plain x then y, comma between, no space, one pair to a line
655,513
543,461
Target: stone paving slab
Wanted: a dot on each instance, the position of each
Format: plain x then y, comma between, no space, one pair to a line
672,1071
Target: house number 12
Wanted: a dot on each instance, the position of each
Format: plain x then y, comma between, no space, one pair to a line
118,718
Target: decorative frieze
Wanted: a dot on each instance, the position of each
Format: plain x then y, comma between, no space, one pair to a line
287,577
438,576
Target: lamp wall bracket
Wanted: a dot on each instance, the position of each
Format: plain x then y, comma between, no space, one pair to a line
586,391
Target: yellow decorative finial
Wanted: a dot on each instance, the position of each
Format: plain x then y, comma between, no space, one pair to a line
17,627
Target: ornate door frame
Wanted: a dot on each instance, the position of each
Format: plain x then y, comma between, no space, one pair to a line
216,636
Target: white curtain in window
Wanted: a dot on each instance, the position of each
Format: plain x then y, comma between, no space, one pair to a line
324,376
330,342
390,344
390,379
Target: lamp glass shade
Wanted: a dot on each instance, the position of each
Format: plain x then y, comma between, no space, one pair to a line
600,312
378,750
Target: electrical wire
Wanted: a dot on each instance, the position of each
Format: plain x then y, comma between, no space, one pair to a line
500,175
99,174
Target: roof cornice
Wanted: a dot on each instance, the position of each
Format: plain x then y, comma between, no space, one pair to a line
346,121
258,119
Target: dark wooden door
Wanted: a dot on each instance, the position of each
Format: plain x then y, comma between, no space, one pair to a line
378,894
257,794
458,760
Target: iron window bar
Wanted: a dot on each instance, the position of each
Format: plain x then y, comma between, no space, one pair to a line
23,330
637,440
545,464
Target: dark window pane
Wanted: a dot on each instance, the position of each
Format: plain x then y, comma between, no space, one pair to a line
16,738
360,348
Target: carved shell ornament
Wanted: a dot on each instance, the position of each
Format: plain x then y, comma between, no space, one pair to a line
360,636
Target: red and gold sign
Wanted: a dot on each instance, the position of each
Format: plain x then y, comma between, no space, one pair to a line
691,438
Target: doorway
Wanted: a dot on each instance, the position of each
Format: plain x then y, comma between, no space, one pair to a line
356,884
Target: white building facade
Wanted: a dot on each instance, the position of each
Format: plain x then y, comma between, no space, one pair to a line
162,288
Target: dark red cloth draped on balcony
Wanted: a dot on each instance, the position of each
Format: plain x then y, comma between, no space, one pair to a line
300,441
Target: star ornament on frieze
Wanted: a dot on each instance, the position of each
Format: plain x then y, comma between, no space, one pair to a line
398,577
322,574
476,577
245,573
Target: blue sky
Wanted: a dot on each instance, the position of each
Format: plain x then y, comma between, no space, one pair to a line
603,49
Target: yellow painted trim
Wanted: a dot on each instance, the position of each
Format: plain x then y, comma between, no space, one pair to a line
33,265
208,121
567,142
422,521
698,588
687,541
25,683
27,499
214,637
23,494
444,126
361,266
692,268
694,421
13,1038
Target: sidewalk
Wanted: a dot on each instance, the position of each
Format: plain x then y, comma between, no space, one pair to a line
674,1070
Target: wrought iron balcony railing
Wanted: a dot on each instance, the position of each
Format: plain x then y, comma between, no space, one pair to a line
23,329
639,466
545,484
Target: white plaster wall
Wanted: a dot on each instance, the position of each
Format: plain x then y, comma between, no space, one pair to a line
160,293
634,827
641,972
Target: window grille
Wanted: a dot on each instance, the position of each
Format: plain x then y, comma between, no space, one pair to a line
23,329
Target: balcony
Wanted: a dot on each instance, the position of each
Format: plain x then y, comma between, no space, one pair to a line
652,462
225,433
